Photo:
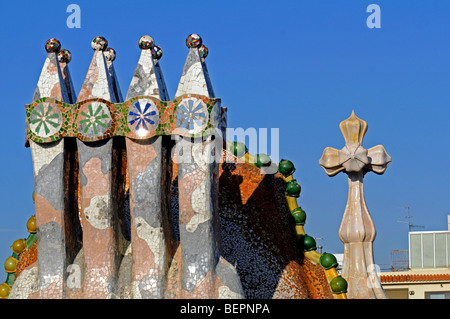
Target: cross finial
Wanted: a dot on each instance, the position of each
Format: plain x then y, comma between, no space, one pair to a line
357,230
353,157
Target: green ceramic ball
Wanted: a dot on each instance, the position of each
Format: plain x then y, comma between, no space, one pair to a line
262,160
328,261
299,216
286,167
293,188
238,149
338,285
309,243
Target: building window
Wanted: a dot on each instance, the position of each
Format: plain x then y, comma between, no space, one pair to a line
429,249
437,295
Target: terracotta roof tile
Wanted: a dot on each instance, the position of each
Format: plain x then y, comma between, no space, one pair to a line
414,277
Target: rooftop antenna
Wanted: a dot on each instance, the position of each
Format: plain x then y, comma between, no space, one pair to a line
320,247
410,226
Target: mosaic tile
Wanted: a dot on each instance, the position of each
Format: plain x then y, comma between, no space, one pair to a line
146,42
94,119
268,259
143,117
193,41
64,56
52,45
99,43
257,254
157,52
191,115
140,117
110,54
203,51
45,119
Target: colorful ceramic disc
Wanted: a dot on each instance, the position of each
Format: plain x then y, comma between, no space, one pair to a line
191,115
143,117
94,119
45,119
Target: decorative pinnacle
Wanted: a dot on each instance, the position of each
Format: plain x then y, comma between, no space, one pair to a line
353,157
52,45
64,56
99,44
157,52
193,41
203,51
110,54
146,42
353,129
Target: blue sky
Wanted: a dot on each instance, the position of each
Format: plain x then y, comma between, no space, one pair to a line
300,66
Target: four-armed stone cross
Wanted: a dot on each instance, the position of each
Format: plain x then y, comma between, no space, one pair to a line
357,230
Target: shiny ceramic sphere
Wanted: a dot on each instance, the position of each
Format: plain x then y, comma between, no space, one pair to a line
286,167
328,261
64,56
19,246
4,290
193,41
338,285
203,51
11,264
110,54
99,44
262,160
238,149
146,42
157,52
309,243
293,188
52,45
299,216
31,224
